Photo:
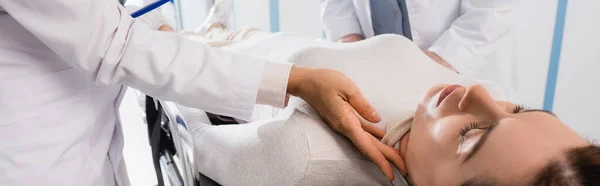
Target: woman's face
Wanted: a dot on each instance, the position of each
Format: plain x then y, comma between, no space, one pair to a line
459,134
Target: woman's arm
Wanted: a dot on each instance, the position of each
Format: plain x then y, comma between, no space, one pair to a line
295,148
267,152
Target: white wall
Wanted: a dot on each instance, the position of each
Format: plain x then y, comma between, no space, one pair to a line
300,16
194,12
252,13
577,100
533,33
294,16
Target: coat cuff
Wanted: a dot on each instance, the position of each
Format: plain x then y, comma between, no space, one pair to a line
273,84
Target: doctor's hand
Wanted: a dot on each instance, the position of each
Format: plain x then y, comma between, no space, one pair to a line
166,28
351,38
439,60
336,97
388,151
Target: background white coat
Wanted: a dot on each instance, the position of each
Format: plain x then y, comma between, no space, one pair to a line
475,37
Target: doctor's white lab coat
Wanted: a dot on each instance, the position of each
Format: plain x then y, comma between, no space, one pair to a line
63,65
474,36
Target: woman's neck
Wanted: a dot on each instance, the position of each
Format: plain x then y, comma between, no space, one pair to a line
403,145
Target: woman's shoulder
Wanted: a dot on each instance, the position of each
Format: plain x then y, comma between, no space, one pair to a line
332,158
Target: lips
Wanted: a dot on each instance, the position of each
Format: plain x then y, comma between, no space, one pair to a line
446,92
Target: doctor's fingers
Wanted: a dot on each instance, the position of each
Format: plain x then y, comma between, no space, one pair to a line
351,38
166,28
364,142
391,154
361,105
341,117
372,129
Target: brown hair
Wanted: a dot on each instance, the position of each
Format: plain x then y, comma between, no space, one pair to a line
580,167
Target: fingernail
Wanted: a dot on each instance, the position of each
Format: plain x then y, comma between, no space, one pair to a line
375,117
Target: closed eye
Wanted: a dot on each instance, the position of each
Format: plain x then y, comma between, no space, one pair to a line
519,108
524,109
491,125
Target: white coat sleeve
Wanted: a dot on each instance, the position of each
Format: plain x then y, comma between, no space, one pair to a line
475,33
339,18
99,38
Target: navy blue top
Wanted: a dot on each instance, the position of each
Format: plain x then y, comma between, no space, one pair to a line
390,17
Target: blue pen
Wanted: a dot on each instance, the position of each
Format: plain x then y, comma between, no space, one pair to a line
149,8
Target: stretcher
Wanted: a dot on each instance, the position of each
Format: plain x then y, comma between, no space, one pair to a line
173,145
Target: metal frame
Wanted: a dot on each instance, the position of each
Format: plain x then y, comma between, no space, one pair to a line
178,15
184,171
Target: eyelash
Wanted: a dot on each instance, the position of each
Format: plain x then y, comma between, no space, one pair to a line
476,125
519,108
469,127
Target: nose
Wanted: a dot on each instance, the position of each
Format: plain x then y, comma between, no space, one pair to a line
479,103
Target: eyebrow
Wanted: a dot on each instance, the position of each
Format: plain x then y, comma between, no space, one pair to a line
540,110
485,136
